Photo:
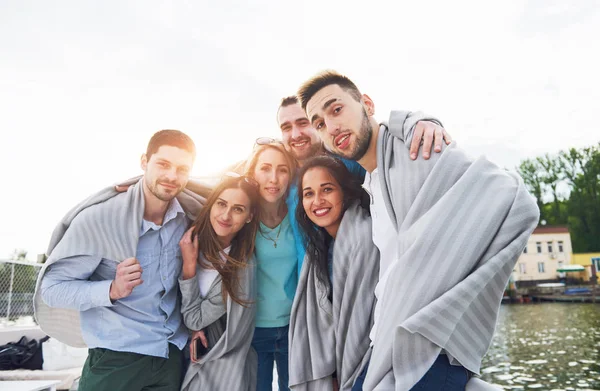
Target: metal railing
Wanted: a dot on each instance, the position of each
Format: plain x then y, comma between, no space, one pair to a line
17,286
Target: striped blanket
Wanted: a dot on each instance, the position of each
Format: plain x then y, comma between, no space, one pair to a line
333,336
107,224
461,225
231,364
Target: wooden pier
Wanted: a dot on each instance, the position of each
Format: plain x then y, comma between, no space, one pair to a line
566,298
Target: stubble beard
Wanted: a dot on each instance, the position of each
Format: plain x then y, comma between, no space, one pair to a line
163,196
312,152
363,139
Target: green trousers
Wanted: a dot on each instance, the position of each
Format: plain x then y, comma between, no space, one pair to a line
107,370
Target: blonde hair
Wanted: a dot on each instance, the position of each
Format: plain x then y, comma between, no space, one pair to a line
289,159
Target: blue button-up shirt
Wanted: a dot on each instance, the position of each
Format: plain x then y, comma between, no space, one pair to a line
146,321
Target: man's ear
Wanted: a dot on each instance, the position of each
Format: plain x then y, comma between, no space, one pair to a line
143,162
368,105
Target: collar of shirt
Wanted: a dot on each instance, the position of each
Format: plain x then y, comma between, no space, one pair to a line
172,211
371,178
226,250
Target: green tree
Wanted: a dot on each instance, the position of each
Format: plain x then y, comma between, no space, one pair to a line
18,254
531,172
581,168
551,176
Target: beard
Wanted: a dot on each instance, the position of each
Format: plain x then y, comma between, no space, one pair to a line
363,140
161,193
313,150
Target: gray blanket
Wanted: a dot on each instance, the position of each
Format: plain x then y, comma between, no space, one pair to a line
333,336
461,225
107,225
231,364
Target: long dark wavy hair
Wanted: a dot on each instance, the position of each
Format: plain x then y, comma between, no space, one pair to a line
242,245
316,238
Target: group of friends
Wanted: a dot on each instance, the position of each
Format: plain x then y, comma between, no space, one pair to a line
352,254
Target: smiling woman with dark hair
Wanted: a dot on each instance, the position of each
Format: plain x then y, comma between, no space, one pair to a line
333,190
332,311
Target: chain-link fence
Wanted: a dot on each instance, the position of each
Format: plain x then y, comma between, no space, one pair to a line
17,285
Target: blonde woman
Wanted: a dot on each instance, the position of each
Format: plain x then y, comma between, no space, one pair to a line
275,248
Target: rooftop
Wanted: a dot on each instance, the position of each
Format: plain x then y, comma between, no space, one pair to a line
554,229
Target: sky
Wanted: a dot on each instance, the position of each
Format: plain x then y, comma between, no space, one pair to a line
84,85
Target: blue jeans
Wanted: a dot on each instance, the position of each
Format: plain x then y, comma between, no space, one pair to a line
442,376
360,380
271,345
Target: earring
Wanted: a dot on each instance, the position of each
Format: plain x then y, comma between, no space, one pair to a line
248,221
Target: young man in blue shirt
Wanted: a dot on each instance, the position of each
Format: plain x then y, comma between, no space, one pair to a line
128,306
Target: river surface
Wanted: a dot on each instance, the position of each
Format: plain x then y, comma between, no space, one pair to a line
548,346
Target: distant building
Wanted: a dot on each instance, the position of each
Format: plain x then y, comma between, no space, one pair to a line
587,260
548,250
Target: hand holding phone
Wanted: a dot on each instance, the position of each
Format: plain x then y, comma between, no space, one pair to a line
198,346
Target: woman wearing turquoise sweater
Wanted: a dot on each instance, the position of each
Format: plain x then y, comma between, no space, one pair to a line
275,249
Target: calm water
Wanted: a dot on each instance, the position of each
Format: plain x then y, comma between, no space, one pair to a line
550,346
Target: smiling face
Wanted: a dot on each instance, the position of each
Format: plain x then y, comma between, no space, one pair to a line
167,171
272,172
341,121
298,135
322,199
229,213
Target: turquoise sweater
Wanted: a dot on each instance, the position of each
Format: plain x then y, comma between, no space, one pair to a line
277,275
278,267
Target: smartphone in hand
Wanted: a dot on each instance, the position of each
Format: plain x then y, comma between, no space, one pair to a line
198,349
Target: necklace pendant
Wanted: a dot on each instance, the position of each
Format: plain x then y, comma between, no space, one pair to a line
275,245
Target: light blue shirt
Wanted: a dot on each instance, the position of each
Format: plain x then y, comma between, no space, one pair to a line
277,275
146,321
292,203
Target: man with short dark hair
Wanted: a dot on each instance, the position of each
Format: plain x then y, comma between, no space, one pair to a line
110,282
297,134
302,140
449,230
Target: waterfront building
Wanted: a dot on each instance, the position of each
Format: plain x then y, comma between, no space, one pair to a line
587,260
548,251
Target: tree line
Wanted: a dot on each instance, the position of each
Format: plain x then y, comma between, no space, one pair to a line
567,186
